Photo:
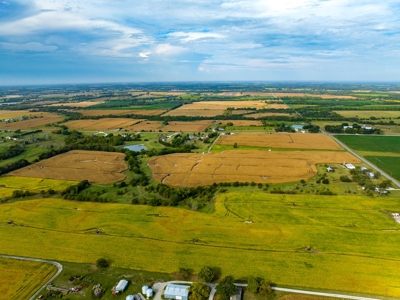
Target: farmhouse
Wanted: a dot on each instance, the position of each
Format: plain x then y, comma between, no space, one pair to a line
350,166
176,291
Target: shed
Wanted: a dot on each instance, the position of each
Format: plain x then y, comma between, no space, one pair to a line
350,166
121,286
371,175
177,291
329,169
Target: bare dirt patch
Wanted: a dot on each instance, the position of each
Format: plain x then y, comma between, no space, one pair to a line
102,124
195,126
282,140
244,166
41,120
78,165
95,113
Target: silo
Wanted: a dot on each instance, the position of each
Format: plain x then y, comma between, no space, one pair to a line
149,293
144,289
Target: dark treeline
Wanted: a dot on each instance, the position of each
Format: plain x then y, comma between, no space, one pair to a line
13,151
14,166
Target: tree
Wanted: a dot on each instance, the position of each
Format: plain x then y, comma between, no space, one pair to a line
226,288
183,273
253,284
235,145
207,274
199,291
102,263
265,287
325,181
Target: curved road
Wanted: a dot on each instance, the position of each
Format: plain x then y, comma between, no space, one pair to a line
58,265
395,182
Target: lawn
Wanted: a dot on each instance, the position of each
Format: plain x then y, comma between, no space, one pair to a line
389,164
21,279
251,233
371,143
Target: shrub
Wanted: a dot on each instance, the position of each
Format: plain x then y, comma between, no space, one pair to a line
102,263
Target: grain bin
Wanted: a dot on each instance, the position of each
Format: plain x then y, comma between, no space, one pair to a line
144,289
149,293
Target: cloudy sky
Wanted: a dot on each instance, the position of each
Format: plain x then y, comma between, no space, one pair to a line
84,41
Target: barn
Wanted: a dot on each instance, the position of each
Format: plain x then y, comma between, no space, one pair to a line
177,291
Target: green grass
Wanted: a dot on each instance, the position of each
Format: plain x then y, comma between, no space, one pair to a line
389,164
371,143
351,233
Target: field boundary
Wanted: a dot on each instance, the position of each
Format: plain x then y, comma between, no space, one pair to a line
54,263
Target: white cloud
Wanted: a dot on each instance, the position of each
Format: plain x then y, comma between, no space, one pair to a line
193,36
144,54
167,49
34,47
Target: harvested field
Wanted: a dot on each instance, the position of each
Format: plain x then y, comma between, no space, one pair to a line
11,114
223,105
195,112
21,279
146,126
95,113
368,113
241,112
238,94
101,124
282,140
243,166
242,122
78,104
41,120
312,95
260,115
78,165
195,126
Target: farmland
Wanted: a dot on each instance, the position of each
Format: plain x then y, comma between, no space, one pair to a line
41,120
371,143
242,166
195,126
101,124
95,113
243,122
195,112
366,114
324,96
77,104
260,115
281,140
281,227
21,279
145,126
76,165
11,114
223,105
388,164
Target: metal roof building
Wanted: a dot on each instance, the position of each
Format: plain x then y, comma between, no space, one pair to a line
177,291
122,285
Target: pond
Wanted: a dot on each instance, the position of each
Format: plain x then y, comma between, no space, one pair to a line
297,127
136,148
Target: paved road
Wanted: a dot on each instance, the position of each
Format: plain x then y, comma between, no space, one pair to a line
395,182
58,265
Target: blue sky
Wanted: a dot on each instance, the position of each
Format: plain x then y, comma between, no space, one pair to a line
84,41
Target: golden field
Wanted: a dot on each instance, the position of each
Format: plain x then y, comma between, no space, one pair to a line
105,112
269,114
21,279
189,169
11,114
145,126
102,124
223,105
78,165
312,95
195,112
41,120
77,104
194,126
282,140
242,122
348,233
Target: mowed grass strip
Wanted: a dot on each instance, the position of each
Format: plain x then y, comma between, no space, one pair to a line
371,143
21,279
389,164
346,233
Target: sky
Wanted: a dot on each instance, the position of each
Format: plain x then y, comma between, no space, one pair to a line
86,41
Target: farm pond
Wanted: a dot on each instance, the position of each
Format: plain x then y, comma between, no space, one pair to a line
136,148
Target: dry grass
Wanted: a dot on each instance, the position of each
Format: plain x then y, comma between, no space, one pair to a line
78,165
260,115
21,279
146,126
77,104
95,113
243,166
282,140
32,123
196,112
195,126
101,124
223,105
242,122
11,114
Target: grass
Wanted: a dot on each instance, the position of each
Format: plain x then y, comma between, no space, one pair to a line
389,164
371,143
21,279
349,233
368,113
33,184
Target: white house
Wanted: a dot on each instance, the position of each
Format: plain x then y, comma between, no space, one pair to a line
350,166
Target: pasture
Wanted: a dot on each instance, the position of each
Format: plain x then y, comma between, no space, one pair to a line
21,279
11,114
281,140
184,169
118,112
101,124
389,164
371,143
194,126
343,233
78,165
366,114
41,120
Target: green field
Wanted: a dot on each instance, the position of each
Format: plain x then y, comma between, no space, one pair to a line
353,233
371,143
389,164
21,279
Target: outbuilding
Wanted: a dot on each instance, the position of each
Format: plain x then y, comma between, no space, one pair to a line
177,291
350,166
121,286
